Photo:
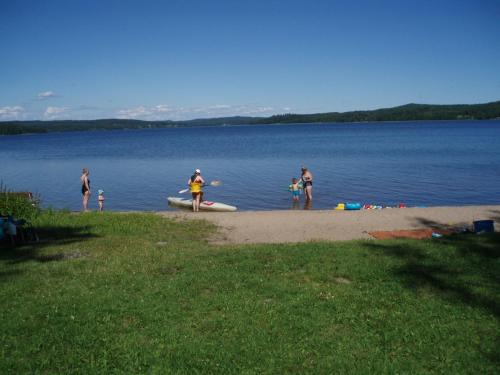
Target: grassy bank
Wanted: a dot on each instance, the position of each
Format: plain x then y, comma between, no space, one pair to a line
136,293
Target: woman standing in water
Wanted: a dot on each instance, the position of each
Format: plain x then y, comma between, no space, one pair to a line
85,189
195,184
307,183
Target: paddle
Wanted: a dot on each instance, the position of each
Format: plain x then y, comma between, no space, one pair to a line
212,183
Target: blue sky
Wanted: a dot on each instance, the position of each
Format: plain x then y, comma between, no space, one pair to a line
186,59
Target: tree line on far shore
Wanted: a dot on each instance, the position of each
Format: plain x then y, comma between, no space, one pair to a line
408,112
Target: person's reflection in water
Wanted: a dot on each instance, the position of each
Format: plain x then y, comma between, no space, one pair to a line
308,205
295,205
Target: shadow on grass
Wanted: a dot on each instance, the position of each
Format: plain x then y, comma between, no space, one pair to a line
463,268
467,270
49,236
424,222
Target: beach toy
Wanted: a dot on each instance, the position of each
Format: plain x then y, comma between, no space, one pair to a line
484,226
352,206
340,206
401,205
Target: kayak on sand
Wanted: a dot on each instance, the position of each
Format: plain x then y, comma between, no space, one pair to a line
205,205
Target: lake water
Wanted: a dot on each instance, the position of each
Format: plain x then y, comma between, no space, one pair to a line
417,163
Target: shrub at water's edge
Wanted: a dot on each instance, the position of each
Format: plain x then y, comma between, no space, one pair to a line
18,205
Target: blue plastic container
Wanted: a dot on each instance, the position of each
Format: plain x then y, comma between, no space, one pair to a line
352,206
484,226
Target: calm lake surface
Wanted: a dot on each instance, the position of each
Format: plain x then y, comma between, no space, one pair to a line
417,163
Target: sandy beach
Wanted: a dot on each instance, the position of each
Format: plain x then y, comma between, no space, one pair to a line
331,225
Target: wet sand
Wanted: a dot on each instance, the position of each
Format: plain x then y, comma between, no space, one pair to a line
331,225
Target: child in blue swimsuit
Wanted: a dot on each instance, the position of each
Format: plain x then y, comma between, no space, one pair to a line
295,187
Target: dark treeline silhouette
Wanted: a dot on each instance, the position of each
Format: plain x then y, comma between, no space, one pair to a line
408,112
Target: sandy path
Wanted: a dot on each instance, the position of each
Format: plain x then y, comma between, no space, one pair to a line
300,226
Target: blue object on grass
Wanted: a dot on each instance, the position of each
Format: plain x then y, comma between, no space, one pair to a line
484,226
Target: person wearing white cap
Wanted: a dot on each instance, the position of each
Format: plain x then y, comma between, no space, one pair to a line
195,183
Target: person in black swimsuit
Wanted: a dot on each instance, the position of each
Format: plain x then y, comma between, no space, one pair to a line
85,188
307,183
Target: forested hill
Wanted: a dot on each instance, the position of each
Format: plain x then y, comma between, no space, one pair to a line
408,112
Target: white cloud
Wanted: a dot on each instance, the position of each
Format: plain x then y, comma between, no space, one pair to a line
158,112
166,112
162,108
11,113
136,112
55,112
221,106
46,95
149,113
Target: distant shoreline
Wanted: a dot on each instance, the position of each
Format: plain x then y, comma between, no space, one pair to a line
405,113
242,125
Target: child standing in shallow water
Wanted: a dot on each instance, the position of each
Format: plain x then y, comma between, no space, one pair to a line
100,200
295,187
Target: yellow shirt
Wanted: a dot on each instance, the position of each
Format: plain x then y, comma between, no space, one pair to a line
195,187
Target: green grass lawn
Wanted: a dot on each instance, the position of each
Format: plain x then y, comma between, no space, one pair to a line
137,293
